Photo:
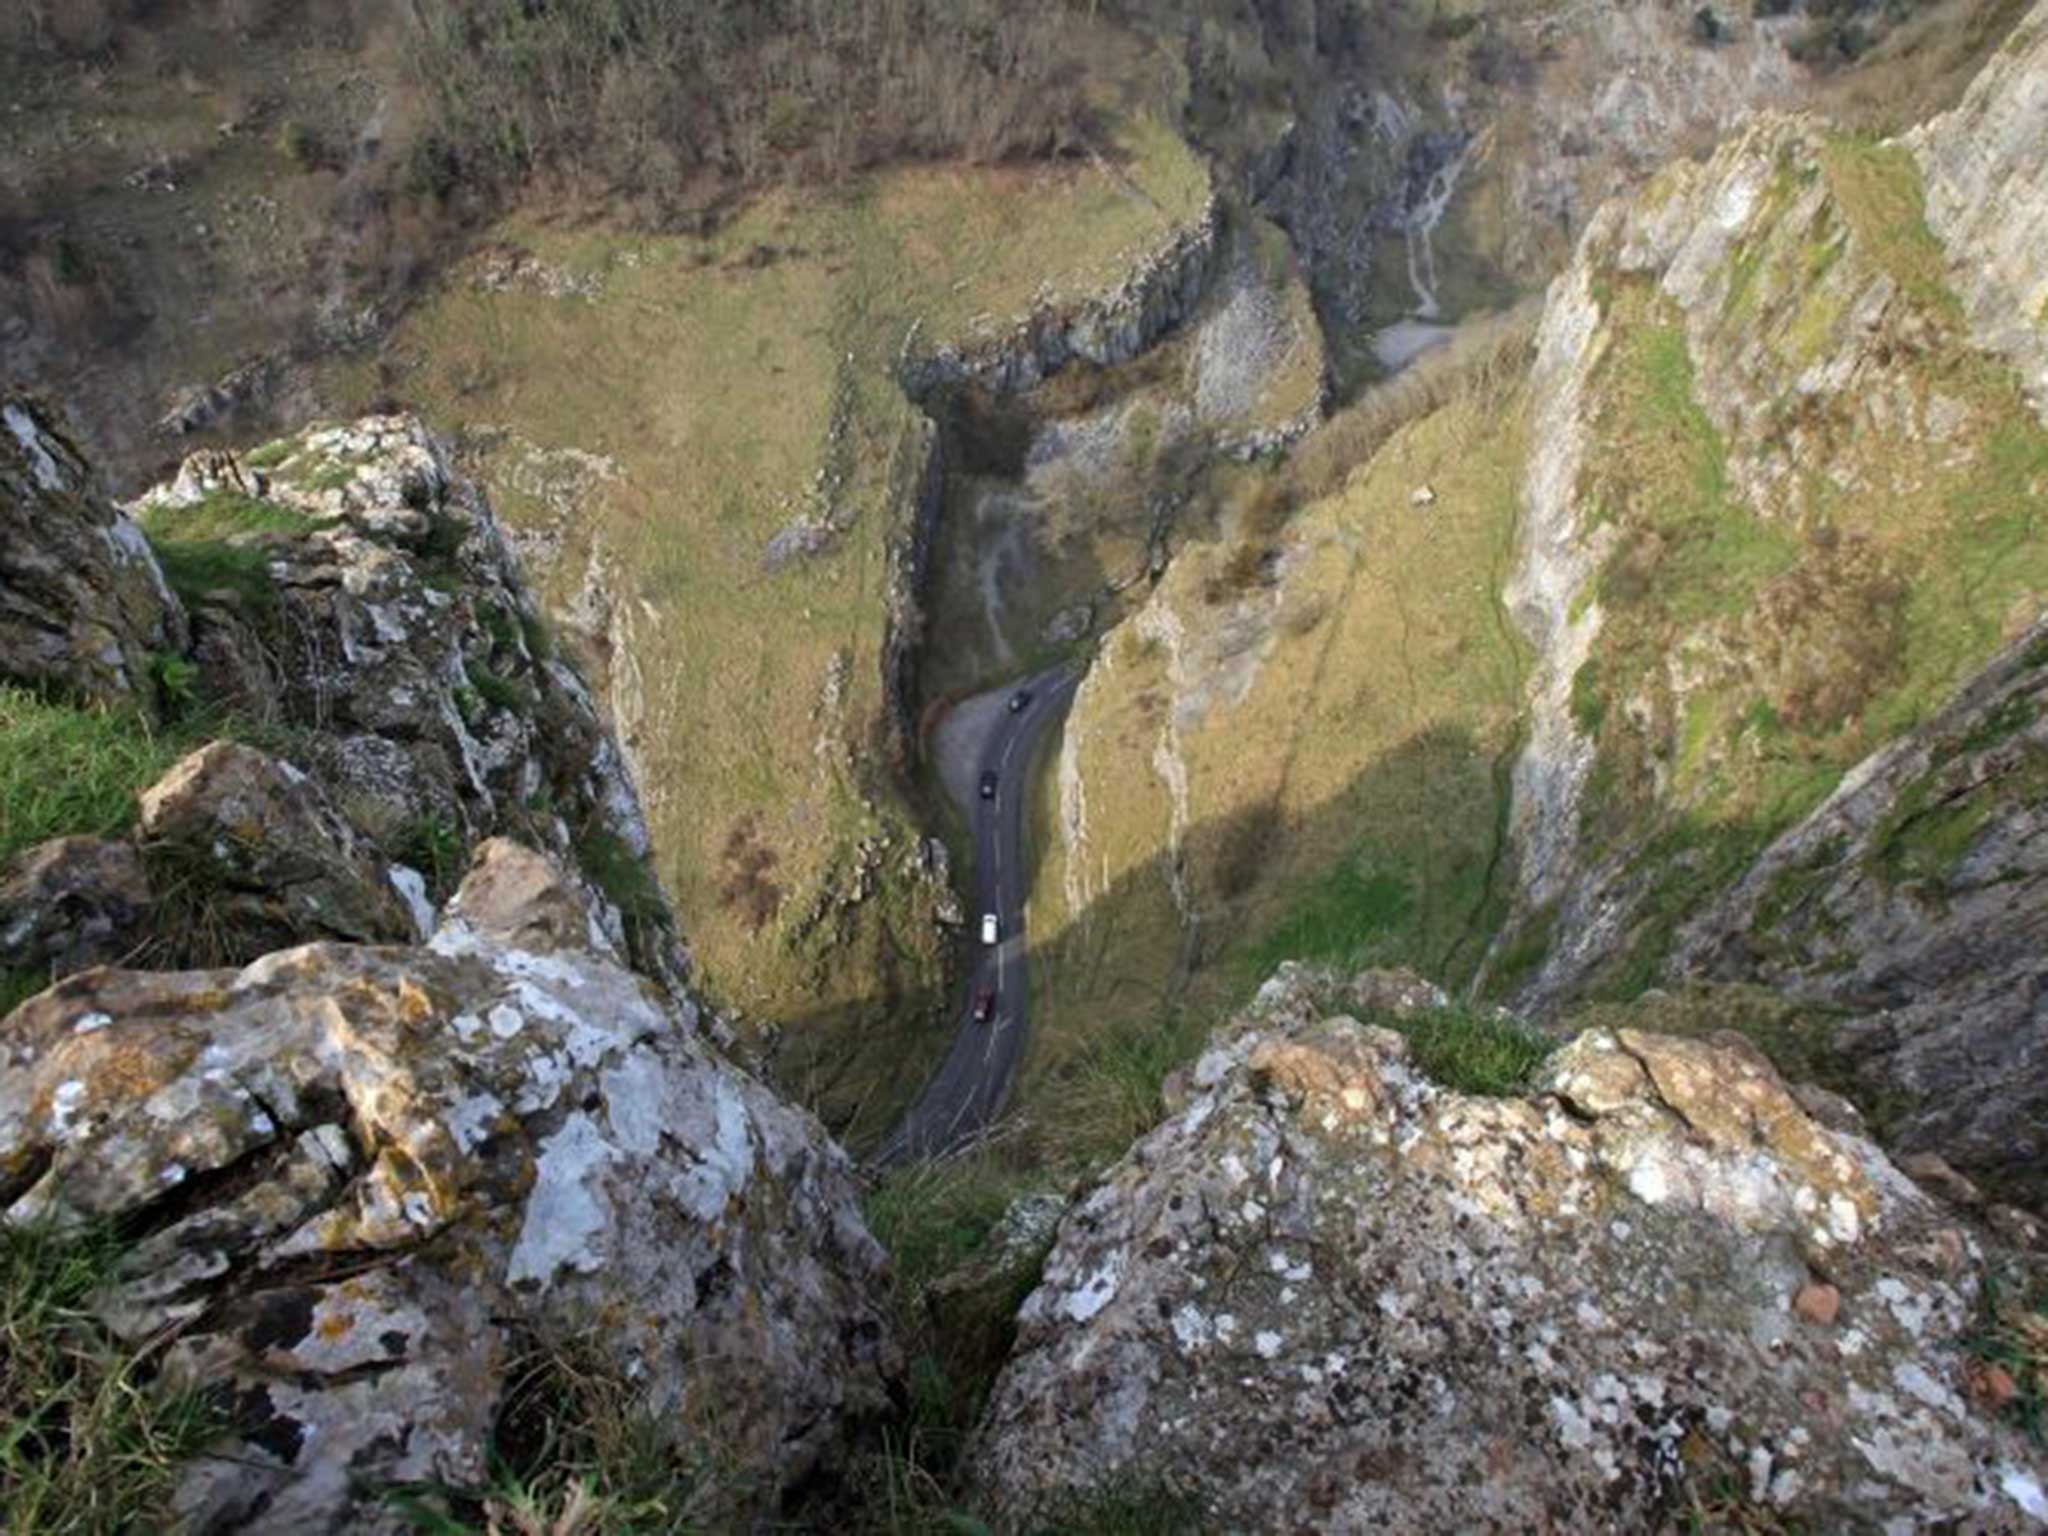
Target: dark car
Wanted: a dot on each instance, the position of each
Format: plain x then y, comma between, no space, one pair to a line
1019,700
984,1005
988,785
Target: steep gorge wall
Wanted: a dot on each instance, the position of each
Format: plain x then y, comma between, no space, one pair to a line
1788,507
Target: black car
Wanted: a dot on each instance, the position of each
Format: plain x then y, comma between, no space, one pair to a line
1018,701
984,1005
988,785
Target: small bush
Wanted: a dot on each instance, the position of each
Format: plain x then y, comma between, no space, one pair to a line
301,144
435,848
89,1441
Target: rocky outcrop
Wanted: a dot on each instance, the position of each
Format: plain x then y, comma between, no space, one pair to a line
398,641
278,863
1112,328
1987,199
1912,909
1331,1293
365,1180
83,606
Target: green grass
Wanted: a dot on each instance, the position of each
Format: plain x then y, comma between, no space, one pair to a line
221,543
1471,1050
17,987
1336,919
933,1217
627,880
500,692
90,1441
66,771
222,515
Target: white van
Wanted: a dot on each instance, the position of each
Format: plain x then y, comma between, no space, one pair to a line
991,930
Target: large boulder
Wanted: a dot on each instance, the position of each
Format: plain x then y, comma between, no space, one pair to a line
1331,1294
369,1177
273,861
395,635
83,606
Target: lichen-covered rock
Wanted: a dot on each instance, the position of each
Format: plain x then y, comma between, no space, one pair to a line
276,862
367,1174
83,605
1330,1294
1987,198
70,903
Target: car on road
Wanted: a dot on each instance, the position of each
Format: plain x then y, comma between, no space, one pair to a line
1019,701
988,785
991,930
984,1004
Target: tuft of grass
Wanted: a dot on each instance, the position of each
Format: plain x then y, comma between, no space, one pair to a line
223,515
221,543
956,1297
2012,1336
1471,1050
627,880
573,1454
500,692
91,1441
67,771
435,848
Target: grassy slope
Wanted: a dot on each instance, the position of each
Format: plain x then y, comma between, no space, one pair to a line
738,382
1345,807
1808,639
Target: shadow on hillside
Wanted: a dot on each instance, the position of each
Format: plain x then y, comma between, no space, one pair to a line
1403,866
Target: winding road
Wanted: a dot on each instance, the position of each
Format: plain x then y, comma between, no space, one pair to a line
968,1090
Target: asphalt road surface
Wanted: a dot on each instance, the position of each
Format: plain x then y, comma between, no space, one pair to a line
968,1090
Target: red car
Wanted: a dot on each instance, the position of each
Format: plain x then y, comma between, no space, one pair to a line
984,1005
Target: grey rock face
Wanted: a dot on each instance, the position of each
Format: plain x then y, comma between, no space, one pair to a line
284,866
1987,200
1915,902
70,903
82,603
1331,1294
369,1172
405,648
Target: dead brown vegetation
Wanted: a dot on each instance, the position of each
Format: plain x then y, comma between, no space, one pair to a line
655,99
744,886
